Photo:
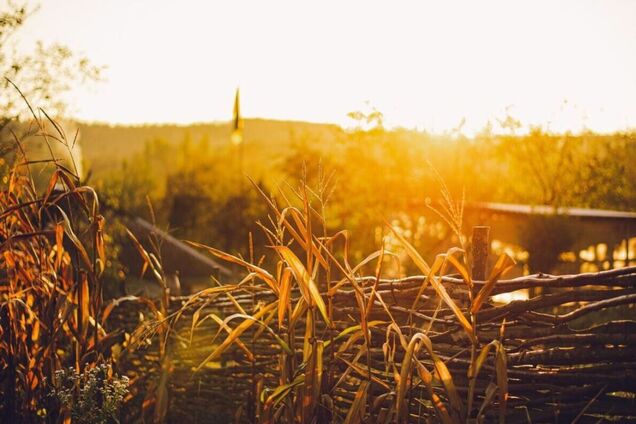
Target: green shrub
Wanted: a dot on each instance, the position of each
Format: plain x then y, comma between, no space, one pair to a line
93,396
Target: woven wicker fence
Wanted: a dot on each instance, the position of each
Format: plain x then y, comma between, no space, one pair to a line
571,352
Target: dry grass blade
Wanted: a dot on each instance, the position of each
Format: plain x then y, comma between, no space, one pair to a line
308,336
504,263
142,252
84,306
501,367
299,310
320,349
59,245
278,395
475,367
68,229
212,291
445,377
417,341
405,379
460,266
441,291
356,328
263,274
306,283
437,285
356,412
305,243
412,252
439,406
488,397
379,254
437,265
284,303
222,325
240,329
360,370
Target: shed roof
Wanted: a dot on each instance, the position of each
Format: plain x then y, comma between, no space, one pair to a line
584,213
181,247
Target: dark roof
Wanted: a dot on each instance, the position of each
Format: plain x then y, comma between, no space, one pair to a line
520,209
181,247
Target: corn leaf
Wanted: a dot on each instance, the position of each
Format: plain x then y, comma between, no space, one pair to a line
236,333
284,302
310,291
501,367
356,412
437,285
263,274
412,252
461,267
439,406
504,263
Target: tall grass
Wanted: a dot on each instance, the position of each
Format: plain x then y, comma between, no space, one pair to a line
156,398
51,258
53,318
322,350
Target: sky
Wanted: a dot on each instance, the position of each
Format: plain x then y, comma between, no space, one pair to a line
563,65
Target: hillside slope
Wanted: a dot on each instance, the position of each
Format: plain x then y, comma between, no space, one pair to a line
105,147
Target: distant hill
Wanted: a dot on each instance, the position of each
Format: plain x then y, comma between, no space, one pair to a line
106,146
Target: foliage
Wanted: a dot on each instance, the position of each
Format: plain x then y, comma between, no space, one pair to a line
44,75
51,259
93,396
371,174
197,196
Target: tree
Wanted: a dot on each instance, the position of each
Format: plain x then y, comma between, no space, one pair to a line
35,83
43,75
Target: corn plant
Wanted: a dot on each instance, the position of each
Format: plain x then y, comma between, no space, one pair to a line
158,326
375,350
51,257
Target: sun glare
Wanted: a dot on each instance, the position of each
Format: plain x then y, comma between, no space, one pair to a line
439,66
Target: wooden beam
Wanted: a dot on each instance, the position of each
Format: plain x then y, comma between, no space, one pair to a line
480,250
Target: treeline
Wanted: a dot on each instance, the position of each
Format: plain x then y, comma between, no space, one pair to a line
199,185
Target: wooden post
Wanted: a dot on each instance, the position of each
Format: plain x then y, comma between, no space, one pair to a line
481,247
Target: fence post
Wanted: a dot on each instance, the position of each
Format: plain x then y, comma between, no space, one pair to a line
480,248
